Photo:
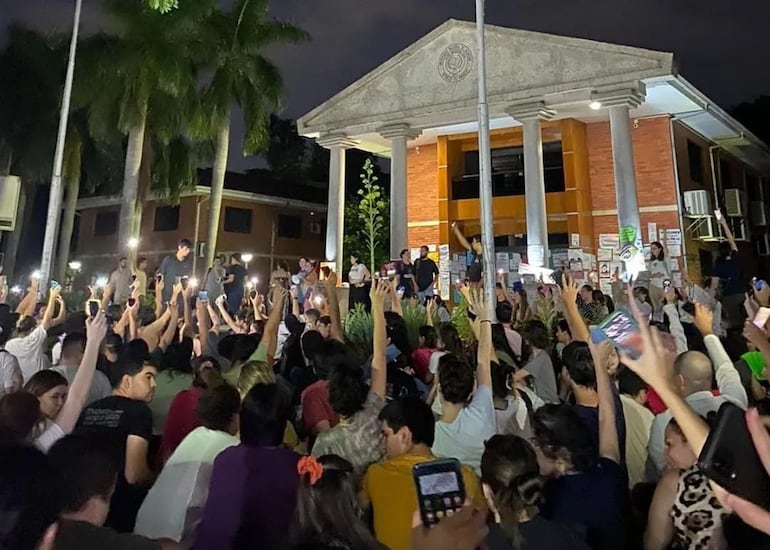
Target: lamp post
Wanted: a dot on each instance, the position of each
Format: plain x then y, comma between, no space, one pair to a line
485,163
246,257
55,197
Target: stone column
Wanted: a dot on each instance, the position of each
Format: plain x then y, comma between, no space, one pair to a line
618,103
335,215
530,116
398,134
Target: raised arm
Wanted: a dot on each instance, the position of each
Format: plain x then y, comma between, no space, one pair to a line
675,324
28,302
61,314
334,307
429,305
107,296
53,298
273,323
187,311
159,284
204,323
460,237
395,302
608,432
226,317
569,292
170,334
728,233
380,339
120,326
478,306
96,329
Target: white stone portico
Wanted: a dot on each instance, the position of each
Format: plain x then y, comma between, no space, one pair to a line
429,90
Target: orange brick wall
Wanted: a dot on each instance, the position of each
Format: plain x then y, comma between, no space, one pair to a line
655,177
422,187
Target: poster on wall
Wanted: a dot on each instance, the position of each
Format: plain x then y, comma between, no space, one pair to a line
673,237
605,255
674,251
652,232
609,240
574,240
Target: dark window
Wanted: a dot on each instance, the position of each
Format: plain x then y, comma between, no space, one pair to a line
754,188
289,227
166,218
106,223
695,159
237,220
725,174
508,172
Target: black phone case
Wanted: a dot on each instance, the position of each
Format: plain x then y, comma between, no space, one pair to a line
730,459
436,466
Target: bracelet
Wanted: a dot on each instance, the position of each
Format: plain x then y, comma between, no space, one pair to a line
486,321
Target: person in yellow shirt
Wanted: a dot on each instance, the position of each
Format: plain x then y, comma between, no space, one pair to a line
408,428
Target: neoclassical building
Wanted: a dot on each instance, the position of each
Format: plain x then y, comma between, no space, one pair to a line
587,138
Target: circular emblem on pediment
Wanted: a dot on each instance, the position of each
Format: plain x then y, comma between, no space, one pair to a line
455,63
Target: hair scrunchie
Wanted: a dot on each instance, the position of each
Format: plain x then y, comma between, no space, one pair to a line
308,465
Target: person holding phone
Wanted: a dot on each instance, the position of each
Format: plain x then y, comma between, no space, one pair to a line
175,267
727,275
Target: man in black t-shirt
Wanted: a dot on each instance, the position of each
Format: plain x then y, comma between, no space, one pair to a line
125,418
476,263
88,473
236,278
406,275
173,268
427,271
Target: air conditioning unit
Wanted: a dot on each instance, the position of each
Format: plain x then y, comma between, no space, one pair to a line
697,203
735,203
315,228
738,227
763,244
704,230
10,188
758,214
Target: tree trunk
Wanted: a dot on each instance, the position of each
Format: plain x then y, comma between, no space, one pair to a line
131,182
73,155
144,187
217,187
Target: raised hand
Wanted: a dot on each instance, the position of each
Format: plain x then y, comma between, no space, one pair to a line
477,304
568,289
652,365
762,295
96,327
704,319
380,289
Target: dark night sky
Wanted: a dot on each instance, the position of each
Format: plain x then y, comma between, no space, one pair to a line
721,47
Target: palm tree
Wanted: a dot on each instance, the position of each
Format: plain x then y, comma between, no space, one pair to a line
243,76
152,54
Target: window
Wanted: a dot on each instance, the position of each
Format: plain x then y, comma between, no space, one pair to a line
754,188
166,218
725,174
105,223
237,220
695,159
508,172
289,227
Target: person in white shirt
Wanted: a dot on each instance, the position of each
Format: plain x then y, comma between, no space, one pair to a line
505,316
10,374
120,282
29,344
694,374
463,428
172,508
638,418
73,348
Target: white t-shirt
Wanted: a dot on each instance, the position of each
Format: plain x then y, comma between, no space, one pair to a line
174,506
464,438
29,351
50,435
659,272
10,373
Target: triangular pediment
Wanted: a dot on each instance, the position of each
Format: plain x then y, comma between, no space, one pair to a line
437,74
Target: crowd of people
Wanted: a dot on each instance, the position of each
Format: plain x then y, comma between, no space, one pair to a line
221,418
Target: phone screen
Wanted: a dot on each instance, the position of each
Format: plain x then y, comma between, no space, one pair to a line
760,319
440,489
203,296
718,215
93,308
730,459
622,329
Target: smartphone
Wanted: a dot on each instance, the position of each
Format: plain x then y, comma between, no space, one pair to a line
440,489
760,319
55,285
159,277
401,290
253,294
178,280
203,296
623,331
131,302
666,284
93,308
730,459
718,215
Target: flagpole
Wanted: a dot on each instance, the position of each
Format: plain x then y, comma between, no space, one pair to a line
55,197
485,163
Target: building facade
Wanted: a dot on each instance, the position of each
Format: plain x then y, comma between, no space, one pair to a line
589,141
267,227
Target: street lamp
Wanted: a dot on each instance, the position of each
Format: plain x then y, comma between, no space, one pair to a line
485,163
133,243
55,196
75,266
